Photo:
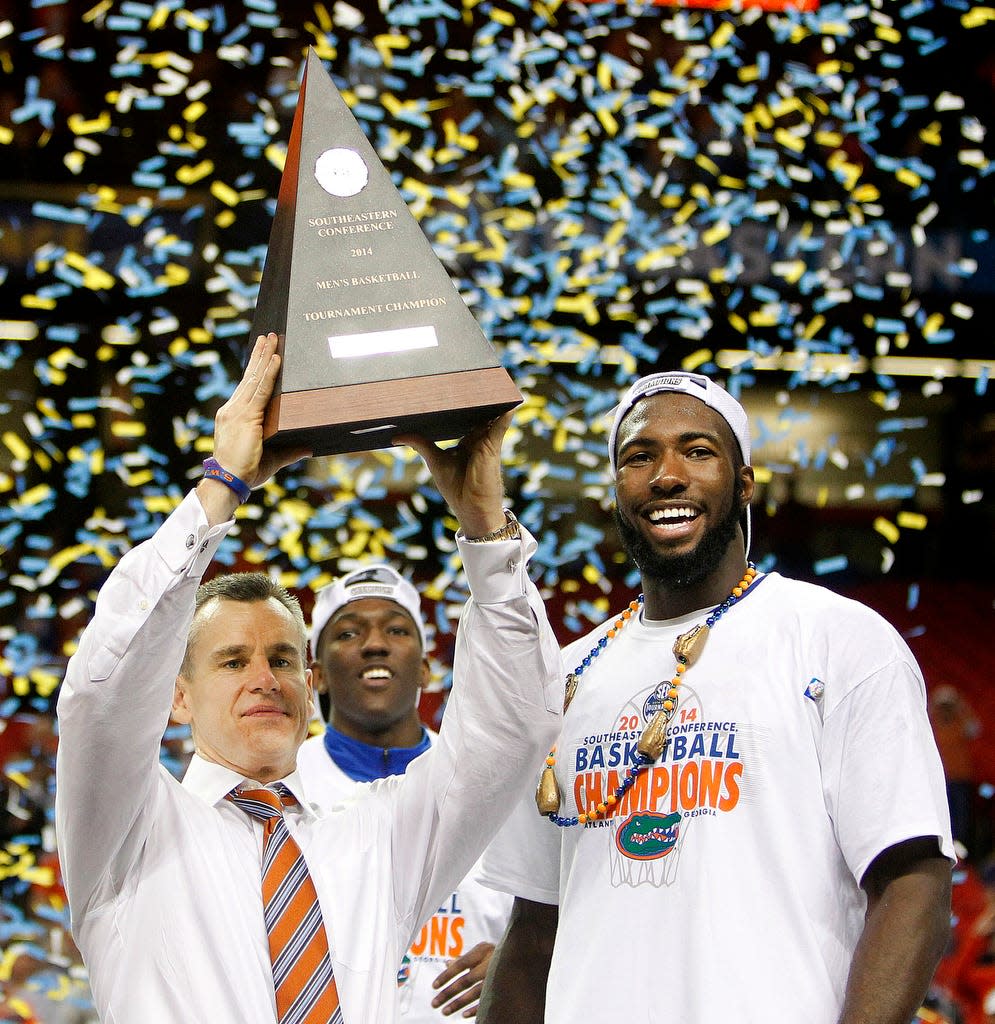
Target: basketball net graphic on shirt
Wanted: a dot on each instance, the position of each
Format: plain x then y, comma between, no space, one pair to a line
302,966
698,776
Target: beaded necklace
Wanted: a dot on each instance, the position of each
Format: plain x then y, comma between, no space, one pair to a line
687,648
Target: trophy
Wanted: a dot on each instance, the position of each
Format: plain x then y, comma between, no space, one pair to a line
375,339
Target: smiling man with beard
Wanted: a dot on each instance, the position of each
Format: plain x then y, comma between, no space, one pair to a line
683,570
744,815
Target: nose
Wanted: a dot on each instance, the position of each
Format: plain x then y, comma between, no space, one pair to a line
669,476
375,642
263,677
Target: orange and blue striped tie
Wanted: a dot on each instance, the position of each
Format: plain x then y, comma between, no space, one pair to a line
302,966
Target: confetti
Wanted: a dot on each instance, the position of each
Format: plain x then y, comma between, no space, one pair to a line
788,196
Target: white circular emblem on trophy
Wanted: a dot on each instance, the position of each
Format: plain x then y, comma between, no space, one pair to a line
341,172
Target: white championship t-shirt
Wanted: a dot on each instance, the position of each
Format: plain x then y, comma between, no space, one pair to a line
725,885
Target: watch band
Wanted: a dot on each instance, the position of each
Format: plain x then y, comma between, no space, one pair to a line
510,531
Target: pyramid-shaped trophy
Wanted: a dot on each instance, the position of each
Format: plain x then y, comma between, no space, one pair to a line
376,340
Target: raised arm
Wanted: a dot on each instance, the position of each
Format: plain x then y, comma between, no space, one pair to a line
468,475
906,927
505,705
238,434
114,702
515,986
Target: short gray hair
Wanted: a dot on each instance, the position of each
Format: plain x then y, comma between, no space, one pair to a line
245,587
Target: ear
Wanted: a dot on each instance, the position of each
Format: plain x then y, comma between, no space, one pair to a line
748,481
318,682
181,712
309,686
426,672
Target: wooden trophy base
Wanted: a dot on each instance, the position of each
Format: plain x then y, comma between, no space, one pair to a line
366,416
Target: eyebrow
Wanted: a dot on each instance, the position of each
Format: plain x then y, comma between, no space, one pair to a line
686,438
230,651
283,647
237,650
353,616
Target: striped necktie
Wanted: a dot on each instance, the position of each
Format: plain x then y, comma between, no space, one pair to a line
298,946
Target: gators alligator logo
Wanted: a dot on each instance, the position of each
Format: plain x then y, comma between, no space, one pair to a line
648,836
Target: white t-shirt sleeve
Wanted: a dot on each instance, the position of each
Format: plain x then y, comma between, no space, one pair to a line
882,722
523,859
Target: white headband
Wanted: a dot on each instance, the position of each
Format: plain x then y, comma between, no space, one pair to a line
371,581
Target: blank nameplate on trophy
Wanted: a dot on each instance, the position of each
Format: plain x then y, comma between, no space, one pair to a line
375,338
382,342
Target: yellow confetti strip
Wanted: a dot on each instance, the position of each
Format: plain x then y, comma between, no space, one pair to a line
386,45
189,174
498,245
194,111
716,233
185,19
789,139
908,177
912,520
583,304
44,682
94,278
887,529
977,16
888,33
16,446
80,126
225,193
695,359
174,274
813,327
127,428
37,302
931,134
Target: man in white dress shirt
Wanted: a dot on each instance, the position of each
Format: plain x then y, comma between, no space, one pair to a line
163,878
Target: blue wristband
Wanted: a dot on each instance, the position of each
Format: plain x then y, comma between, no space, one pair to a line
213,470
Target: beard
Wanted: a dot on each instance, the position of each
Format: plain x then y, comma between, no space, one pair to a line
686,570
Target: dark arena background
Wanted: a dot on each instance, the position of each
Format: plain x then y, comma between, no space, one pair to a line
796,199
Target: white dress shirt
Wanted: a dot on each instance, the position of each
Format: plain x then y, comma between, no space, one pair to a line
163,878
472,913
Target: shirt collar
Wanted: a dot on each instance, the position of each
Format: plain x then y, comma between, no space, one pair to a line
365,763
213,782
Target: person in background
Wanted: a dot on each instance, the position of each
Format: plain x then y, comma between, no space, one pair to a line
956,729
233,897
369,654
744,815
965,976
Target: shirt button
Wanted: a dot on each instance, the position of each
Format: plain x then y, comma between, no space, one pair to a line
143,604
191,540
